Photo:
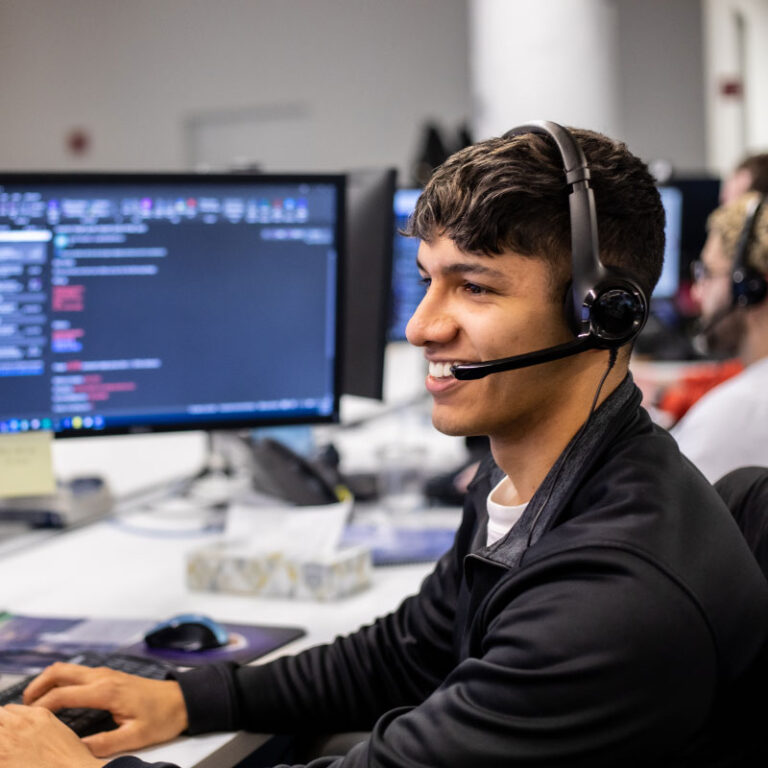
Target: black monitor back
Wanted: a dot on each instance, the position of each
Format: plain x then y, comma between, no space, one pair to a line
368,276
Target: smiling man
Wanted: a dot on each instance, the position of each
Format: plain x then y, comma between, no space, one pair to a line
599,606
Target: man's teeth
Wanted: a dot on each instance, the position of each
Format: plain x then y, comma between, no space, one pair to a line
441,370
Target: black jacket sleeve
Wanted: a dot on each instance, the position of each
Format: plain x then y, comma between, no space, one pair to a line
572,675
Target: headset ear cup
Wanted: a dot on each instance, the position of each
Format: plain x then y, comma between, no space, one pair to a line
617,314
748,284
750,287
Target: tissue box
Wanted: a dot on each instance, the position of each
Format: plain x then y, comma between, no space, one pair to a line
237,567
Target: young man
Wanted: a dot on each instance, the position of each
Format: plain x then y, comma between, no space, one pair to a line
726,429
599,606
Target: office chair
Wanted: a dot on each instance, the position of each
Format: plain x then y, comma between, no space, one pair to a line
745,492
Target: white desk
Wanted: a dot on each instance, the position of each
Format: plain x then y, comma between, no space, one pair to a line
103,570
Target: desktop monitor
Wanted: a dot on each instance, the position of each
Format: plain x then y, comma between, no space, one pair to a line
157,302
407,290
367,279
669,282
701,195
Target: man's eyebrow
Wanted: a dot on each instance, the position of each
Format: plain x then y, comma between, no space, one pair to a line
462,267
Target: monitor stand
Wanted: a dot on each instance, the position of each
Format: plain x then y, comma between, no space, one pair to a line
225,469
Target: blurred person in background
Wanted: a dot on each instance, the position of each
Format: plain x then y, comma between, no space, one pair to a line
726,429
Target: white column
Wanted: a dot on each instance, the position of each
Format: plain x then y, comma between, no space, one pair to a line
736,53
544,60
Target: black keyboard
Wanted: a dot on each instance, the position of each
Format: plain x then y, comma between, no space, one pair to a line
85,721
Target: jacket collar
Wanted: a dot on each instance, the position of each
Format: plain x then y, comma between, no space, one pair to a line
561,480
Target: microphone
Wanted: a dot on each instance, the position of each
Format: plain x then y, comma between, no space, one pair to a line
471,371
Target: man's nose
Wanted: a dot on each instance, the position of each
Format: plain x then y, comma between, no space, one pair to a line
432,322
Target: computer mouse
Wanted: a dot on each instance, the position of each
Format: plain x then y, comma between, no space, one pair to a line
187,632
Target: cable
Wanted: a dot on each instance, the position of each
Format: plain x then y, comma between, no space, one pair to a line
573,443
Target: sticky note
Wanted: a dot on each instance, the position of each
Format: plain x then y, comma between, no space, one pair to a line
26,464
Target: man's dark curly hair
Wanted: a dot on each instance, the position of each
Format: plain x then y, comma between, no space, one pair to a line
510,194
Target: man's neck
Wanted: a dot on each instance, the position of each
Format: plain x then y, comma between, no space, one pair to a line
527,455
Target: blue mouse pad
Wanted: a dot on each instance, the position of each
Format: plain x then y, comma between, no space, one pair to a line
246,643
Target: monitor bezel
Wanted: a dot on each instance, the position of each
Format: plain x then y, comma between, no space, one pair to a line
240,421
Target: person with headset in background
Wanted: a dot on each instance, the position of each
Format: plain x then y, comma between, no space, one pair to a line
726,428
599,606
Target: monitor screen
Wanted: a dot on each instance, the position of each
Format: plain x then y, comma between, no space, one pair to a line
701,195
407,290
669,281
367,279
155,302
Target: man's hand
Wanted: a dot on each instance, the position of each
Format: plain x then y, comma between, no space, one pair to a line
33,736
146,711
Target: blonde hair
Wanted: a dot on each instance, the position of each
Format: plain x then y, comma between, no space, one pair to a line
728,222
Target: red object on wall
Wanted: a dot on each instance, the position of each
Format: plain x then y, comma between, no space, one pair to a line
732,87
78,141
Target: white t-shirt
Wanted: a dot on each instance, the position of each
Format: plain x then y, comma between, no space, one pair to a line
728,427
501,518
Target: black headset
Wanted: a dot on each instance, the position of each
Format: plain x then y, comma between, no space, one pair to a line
749,286
606,307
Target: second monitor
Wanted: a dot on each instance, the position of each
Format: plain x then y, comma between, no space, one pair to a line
370,232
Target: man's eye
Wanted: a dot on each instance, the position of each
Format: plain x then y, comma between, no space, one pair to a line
425,281
477,290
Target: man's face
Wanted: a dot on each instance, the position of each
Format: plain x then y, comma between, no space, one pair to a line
480,308
712,291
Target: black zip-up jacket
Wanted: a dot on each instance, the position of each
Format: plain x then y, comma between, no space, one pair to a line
621,622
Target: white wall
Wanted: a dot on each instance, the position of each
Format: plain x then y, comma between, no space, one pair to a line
553,60
351,80
736,125
633,70
661,75
324,84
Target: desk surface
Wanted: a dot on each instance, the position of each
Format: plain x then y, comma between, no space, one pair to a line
105,570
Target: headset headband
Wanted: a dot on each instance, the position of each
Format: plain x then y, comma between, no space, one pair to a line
749,284
608,306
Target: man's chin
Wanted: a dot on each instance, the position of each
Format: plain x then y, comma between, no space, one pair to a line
452,427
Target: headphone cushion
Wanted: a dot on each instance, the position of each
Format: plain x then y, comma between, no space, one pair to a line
617,315
749,287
